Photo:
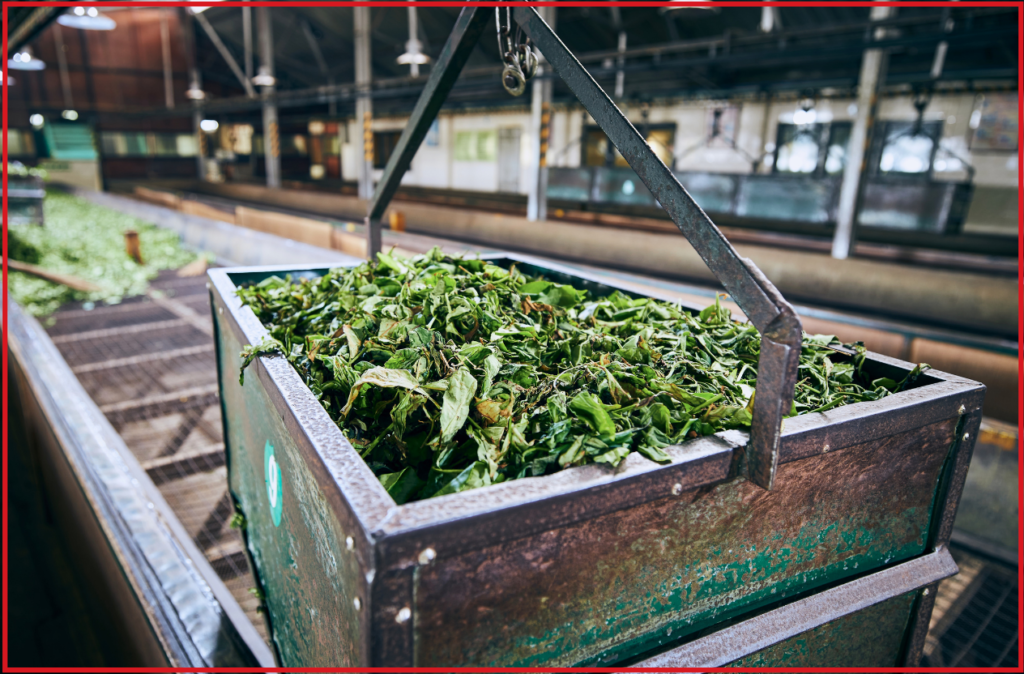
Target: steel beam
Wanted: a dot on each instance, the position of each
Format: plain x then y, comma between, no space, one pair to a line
540,128
318,55
247,41
30,26
62,64
872,77
468,28
226,55
165,58
271,143
765,307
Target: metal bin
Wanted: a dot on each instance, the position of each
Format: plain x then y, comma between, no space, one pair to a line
687,562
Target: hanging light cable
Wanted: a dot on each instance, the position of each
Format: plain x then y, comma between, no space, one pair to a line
413,56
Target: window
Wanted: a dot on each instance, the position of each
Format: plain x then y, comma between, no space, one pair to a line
476,146
995,123
812,149
907,147
241,138
139,144
186,144
20,143
124,144
384,143
597,151
69,142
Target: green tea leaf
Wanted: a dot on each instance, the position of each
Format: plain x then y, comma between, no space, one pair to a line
385,378
589,408
455,408
534,376
401,486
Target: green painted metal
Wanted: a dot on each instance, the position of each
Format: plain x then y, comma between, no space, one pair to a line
872,637
676,567
309,580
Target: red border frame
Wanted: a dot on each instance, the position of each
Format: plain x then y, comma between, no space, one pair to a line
562,3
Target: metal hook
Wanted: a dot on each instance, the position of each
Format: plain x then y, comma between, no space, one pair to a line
512,79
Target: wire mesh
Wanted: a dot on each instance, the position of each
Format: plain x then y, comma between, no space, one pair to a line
974,624
154,375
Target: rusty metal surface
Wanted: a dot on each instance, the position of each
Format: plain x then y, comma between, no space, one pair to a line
762,637
917,629
667,568
773,317
827,463
312,565
869,638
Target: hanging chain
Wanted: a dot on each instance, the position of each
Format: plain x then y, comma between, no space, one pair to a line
520,60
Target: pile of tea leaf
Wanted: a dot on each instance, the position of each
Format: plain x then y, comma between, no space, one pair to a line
87,241
448,373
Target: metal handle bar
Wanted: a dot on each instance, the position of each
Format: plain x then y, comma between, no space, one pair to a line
773,317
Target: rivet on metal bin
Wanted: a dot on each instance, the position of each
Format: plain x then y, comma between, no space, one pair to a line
357,603
961,410
350,544
824,450
403,615
427,556
677,489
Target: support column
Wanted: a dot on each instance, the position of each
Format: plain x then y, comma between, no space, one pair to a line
364,104
197,117
247,41
271,143
195,87
540,127
165,53
872,77
62,63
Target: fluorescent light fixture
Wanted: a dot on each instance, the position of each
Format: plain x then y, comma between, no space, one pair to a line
36,120
24,61
84,21
413,54
198,10
409,58
264,78
678,5
209,125
70,115
195,93
805,116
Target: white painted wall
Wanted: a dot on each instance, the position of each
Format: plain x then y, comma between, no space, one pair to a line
437,167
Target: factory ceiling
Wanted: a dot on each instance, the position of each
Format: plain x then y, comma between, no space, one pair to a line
718,52
714,52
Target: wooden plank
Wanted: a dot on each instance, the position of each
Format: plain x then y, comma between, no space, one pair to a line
158,197
313,232
206,211
73,282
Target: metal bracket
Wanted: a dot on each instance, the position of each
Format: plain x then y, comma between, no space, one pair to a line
773,317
